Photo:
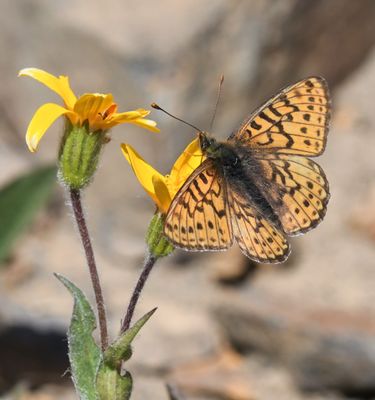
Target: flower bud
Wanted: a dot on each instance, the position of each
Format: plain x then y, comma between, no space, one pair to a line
158,244
113,385
79,154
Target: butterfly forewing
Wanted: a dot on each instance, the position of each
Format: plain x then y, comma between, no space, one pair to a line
297,189
257,237
198,218
295,121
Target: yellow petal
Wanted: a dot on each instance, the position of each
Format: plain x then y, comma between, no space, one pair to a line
59,85
145,123
143,171
128,116
142,112
43,118
132,117
188,161
91,106
162,193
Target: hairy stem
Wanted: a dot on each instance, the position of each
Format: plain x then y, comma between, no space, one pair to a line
75,196
147,268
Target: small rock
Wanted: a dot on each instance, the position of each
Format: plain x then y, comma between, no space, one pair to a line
323,349
220,376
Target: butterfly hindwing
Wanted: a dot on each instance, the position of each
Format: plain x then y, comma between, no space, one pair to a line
295,121
256,236
198,218
297,189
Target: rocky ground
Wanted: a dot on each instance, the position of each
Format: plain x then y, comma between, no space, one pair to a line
225,328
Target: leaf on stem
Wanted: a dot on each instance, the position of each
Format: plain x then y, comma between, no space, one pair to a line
84,354
120,350
113,382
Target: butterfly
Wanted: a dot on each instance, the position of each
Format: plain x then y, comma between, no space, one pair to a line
260,185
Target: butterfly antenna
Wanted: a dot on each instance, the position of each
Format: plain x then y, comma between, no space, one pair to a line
217,101
157,107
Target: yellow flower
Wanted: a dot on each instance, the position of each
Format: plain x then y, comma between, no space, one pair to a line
163,188
99,110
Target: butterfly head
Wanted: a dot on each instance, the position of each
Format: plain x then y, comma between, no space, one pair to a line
208,144
215,150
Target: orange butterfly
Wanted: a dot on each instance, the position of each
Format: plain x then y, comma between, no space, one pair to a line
259,186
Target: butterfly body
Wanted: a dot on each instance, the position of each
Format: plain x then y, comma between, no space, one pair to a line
259,186
238,165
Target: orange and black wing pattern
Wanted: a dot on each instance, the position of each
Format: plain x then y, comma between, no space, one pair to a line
297,190
257,237
198,217
295,121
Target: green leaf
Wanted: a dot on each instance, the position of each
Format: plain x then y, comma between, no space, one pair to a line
120,350
19,202
113,383
84,354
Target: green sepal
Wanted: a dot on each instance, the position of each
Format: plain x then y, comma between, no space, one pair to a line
158,244
113,382
84,354
20,200
79,155
120,350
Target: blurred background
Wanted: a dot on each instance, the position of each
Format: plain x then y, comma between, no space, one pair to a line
225,328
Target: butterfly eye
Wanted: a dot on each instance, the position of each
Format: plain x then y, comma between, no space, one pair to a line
204,141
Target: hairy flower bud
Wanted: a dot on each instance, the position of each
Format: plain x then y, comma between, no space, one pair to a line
157,243
79,155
